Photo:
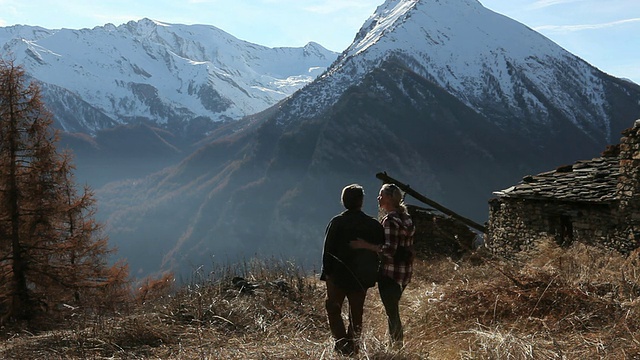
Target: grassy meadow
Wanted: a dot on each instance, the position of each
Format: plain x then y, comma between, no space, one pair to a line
551,303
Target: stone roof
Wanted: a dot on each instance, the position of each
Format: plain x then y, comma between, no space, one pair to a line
590,181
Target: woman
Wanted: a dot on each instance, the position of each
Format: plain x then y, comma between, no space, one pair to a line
397,255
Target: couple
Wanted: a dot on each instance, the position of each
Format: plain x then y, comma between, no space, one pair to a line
358,252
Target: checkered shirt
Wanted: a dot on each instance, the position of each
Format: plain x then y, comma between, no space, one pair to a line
399,231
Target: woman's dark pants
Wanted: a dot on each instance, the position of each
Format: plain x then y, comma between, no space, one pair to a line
390,293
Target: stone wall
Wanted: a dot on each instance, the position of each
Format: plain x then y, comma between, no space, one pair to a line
440,235
628,190
518,224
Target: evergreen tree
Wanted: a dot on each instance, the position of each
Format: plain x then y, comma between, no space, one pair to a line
51,249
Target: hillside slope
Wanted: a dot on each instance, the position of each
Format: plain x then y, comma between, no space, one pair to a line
454,123
561,304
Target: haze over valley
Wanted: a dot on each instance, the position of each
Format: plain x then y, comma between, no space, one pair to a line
206,148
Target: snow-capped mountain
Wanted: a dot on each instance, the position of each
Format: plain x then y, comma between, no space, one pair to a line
490,62
448,96
157,73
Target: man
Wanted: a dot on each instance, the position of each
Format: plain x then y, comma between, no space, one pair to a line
349,272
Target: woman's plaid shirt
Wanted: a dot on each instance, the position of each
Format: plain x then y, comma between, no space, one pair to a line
398,230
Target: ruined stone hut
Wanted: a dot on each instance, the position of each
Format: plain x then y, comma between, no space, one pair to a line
594,201
439,231
440,235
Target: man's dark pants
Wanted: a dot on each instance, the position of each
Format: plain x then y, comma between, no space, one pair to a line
335,299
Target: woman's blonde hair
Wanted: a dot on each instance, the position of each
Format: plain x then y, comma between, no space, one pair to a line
396,195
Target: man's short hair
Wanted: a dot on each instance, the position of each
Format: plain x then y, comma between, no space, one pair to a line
352,197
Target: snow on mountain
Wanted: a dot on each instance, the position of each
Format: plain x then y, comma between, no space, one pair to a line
161,73
489,61
446,95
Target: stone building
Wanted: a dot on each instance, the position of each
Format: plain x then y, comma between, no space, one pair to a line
440,235
595,201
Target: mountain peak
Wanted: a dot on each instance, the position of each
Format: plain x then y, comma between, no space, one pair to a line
457,26
166,74
444,93
485,59
383,20
144,26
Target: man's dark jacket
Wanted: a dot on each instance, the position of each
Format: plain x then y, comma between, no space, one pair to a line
351,269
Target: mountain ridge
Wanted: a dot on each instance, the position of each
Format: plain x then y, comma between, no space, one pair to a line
464,61
454,122
159,73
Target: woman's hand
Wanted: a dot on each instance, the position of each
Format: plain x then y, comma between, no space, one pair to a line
362,244
359,244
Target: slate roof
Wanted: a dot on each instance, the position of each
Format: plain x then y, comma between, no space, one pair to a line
589,181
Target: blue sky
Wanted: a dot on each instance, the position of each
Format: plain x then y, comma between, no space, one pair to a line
604,33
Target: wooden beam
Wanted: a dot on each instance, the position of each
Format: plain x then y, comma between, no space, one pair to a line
407,189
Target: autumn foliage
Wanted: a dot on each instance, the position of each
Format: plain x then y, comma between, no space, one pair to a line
52,251
154,288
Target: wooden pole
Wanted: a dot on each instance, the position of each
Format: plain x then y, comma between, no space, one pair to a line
407,189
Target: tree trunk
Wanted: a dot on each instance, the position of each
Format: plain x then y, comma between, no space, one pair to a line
20,299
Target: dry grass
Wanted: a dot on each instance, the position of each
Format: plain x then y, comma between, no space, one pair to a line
576,303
